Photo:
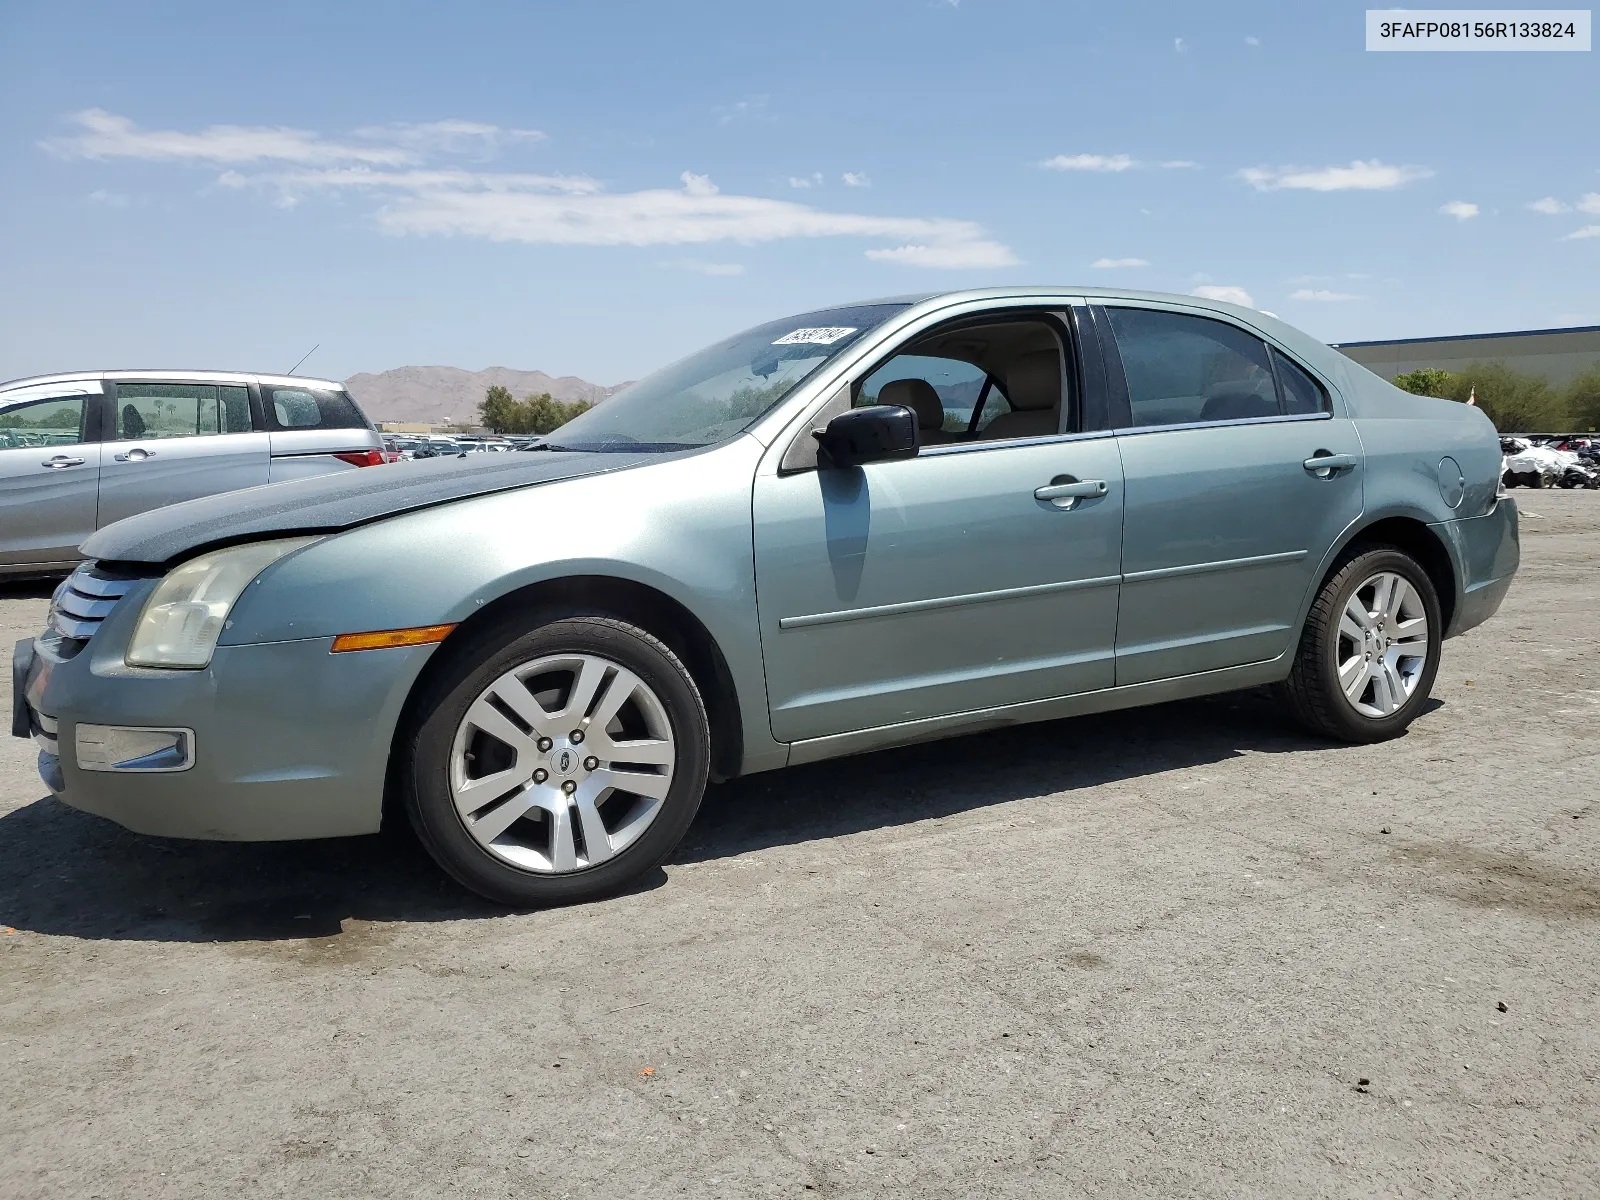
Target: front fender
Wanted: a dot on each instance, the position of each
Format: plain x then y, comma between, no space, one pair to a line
679,526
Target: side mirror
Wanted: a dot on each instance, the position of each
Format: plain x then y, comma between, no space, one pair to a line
875,434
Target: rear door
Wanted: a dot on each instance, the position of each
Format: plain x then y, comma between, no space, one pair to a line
1228,512
49,472
311,421
174,440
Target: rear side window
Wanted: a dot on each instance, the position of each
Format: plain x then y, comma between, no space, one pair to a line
1301,393
169,410
311,408
1182,370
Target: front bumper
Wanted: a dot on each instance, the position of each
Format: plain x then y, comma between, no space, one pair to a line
1486,552
289,741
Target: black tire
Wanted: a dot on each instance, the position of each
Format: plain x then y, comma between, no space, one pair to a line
1312,692
473,667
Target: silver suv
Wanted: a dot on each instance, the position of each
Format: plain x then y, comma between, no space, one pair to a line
81,450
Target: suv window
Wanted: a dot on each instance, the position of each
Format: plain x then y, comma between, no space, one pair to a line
173,410
1182,369
52,422
311,408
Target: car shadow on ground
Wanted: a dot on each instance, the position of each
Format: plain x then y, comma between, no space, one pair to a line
65,872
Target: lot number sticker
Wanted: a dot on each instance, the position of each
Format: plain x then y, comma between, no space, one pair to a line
821,335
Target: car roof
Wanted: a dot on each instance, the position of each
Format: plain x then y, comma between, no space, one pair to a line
184,376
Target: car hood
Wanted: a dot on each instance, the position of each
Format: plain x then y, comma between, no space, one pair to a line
329,503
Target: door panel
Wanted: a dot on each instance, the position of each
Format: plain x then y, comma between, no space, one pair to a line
935,585
1224,529
178,442
48,476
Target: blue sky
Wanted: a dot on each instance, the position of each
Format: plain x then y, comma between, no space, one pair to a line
596,189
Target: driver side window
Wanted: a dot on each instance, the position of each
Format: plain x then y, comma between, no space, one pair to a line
982,382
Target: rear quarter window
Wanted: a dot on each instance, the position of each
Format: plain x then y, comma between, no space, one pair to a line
311,408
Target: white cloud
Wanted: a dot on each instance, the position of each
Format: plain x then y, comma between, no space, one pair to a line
449,137
1461,210
1550,206
1179,46
1590,203
416,198
702,267
1232,295
1252,41
806,181
1323,294
954,255
1588,231
856,179
109,199
554,211
1358,176
1179,164
1088,162
1112,264
106,135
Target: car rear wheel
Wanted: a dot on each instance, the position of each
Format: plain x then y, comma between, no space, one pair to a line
1369,651
558,764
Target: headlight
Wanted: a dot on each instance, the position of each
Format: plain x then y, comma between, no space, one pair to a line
185,615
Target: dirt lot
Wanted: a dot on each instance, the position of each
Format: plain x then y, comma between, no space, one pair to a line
1176,952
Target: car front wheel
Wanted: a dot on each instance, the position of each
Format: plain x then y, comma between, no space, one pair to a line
1369,651
557,764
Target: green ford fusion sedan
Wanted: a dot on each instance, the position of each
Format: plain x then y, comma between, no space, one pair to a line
868,525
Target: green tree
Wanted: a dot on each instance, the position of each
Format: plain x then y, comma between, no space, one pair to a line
1428,381
1515,401
539,413
1583,401
500,410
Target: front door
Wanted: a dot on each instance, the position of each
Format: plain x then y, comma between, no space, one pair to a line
954,581
1228,512
49,473
178,441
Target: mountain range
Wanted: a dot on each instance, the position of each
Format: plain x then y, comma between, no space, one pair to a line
444,394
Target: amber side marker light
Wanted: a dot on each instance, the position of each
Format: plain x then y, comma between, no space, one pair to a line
422,635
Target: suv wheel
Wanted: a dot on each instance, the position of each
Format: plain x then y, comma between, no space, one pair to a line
1369,650
558,764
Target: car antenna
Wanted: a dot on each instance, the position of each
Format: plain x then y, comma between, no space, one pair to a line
303,358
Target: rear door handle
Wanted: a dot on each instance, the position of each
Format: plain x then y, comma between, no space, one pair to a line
1324,464
137,454
1065,491
61,460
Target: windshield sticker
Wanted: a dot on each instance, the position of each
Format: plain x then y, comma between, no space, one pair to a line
821,335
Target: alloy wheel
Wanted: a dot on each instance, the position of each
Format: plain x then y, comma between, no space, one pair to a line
562,763
1382,644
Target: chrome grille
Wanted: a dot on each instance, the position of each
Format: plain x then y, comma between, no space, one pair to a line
84,600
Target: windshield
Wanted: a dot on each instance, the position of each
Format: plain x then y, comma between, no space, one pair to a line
719,392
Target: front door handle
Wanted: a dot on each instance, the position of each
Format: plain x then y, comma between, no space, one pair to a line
61,460
1325,464
137,454
1064,491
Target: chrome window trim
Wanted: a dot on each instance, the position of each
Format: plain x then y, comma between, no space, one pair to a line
947,448
1280,419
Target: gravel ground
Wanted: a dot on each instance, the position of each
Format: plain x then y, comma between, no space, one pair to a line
1177,952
